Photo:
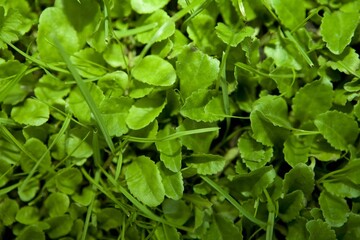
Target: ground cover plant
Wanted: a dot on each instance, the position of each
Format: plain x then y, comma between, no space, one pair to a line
188,119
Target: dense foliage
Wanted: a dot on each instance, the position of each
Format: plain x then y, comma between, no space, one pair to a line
179,119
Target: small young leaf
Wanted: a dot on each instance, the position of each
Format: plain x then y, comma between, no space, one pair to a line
344,24
36,148
144,111
155,71
32,112
334,209
338,128
144,181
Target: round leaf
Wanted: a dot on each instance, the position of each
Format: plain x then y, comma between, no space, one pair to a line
155,71
144,181
68,180
28,215
144,111
32,112
57,204
338,128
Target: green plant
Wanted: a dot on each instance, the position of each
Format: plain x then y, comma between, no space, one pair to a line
188,119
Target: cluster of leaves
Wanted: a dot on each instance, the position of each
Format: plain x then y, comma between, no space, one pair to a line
188,119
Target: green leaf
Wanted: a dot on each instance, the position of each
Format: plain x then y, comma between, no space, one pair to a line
147,6
254,182
320,230
31,232
32,112
59,226
301,177
65,32
268,116
166,232
222,228
297,230
76,146
170,151
109,218
334,209
85,198
351,228
57,204
291,205
89,63
159,18
51,90
312,99
12,25
347,62
338,128
194,106
194,64
79,106
28,215
342,189
29,192
297,149
206,164
254,154
144,111
155,71
84,16
39,151
176,211
291,13
231,36
114,111
344,24
144,181
192,141
173,182
8,211
68,180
